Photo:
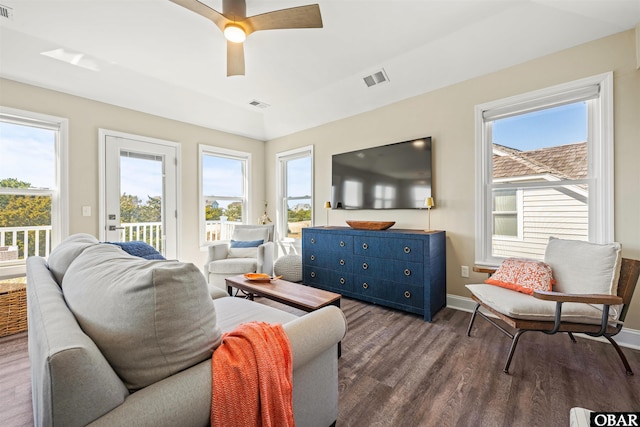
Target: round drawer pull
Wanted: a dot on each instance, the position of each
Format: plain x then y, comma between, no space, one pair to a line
365,265
341,244
313,274
365,285
342,281
341,262
407,249
407,294
313,257
313,240
407,272
365,246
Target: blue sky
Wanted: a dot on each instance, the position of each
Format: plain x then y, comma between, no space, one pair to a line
555,126
140,177
17,160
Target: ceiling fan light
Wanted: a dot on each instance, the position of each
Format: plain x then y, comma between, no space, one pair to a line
234,33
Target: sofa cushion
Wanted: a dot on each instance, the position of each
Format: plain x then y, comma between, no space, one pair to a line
583,267
140,249
523,275
151,319
63,255
232,266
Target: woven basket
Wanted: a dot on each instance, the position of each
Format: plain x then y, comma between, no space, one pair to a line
13,308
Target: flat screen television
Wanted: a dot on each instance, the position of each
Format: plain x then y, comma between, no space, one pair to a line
393,176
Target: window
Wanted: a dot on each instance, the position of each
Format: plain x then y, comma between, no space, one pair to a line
224,183
295,189
544,167
32,186
506,213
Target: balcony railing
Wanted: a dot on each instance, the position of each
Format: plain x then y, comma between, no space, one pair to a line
21,242
219,230
18,243
148,232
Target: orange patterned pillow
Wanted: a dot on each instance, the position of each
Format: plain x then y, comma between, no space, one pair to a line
523,275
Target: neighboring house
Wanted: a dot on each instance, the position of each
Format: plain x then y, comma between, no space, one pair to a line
301,207
524,218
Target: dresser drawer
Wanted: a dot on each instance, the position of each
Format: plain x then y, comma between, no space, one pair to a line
410,273
396,293
326,259
328,279
379,247
325,242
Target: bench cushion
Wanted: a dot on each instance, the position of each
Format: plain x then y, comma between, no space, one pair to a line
521,306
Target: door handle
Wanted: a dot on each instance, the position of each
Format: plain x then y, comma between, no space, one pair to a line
114,228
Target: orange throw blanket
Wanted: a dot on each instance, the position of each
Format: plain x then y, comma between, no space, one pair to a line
252,378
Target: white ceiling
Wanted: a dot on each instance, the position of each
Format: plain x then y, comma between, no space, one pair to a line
157,57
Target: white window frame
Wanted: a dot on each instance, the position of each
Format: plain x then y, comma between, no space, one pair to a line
59,194
245,157
281,187
600,178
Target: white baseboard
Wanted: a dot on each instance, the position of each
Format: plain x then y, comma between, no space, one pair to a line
626,338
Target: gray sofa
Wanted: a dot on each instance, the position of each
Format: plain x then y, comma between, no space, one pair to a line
83,372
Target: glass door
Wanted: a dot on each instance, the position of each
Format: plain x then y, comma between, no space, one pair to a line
140,193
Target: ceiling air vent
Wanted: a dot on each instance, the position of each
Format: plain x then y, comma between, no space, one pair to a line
6,12
259,104
376,78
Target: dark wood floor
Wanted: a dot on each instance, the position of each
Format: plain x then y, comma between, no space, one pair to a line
397,370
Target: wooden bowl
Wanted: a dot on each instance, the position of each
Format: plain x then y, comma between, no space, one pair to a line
370,225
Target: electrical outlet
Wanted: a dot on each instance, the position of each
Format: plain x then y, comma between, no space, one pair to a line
86,211
464,270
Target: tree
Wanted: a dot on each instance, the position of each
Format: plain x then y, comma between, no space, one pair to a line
129,211
18,210
234,212
152,210
212,214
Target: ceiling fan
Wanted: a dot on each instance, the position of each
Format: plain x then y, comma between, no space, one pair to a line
236,26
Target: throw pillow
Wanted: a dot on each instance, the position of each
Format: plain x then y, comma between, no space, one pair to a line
583,267
63,255
523,275
150,319
244,248
139,249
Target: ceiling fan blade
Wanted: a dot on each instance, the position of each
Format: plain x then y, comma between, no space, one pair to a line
295,17
235,59
202,9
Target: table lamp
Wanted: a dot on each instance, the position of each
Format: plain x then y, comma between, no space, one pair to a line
327,206
429,203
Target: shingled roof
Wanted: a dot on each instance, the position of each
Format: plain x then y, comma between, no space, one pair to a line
563,161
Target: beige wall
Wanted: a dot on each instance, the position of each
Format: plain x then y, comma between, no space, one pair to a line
448,116
86,117
445,114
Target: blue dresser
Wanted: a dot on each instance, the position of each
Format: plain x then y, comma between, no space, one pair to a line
403,269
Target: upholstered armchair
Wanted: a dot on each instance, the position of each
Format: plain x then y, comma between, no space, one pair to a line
249,251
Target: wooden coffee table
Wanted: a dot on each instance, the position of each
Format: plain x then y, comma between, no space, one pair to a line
292,294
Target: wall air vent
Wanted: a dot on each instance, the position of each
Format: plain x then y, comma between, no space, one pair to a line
376,78
259,104
6,12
